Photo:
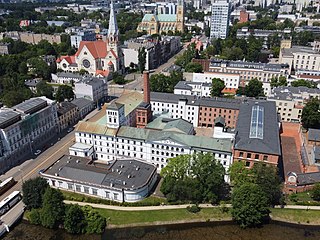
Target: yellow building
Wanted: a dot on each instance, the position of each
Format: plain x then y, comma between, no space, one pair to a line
158,23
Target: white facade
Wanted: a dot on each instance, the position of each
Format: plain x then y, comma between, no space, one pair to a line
178,109
220,19
156,152
82,36
231,81
193,88
94,89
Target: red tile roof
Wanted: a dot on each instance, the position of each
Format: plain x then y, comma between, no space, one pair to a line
98,49
104,73
69,59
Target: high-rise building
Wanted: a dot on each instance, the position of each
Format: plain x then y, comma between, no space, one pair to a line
220,19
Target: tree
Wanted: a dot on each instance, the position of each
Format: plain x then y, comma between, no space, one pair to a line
254,88
217,87
193,67
32,192
233,53
53,209
303,83
249,205
142,59
277,82
44,89
83,72
163,83
95,223
118,79
34,216
74,220
39,68
239,174
316,192
311,114
195,178
64,92
23,68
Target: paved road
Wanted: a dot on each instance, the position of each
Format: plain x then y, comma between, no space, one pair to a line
11,217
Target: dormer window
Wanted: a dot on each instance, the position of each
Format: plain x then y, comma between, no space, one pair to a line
85,53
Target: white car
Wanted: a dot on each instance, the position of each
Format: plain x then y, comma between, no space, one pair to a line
37,152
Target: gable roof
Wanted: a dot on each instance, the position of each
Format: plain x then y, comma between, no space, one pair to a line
69,59
98,49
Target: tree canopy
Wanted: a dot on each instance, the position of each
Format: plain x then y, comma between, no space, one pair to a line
250,205
277,82
32,192
74,220
64,92
310,117
217,87
193,67
303,83
163,83
142,59
254,88
44,89
196,178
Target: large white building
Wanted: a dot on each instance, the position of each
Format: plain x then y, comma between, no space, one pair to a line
24,128
92,88
220,17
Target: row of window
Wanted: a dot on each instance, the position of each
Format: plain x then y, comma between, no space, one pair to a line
252,156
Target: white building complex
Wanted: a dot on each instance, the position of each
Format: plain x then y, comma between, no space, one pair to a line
220,17
121,181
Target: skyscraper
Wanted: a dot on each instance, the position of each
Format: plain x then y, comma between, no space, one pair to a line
220,19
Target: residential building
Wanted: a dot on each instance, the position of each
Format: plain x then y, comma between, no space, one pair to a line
84,106
193,89
32,84
247,70
220,17
92,88
66,77
245,33
127,180
99,58
67,115
32,38
291,100
25,128
299,57
157,52
158,23
201,112
257,134
85,35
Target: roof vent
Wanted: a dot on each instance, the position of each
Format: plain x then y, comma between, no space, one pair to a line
117,170
68,161
56,174
112,170
137,168
121,166
120,172
60,169
130,161
124,182
111,184
129,176
69,157
78,161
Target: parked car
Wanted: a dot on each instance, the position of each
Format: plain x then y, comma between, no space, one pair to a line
37,152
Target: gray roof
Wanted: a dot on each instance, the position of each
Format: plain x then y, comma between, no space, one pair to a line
69,75
182,85
65,107
121,174
242,64
169,124
314,135
32,82
317,153
193,100
31,105
308,178
8,117
298,49
115,106
81,102
269,142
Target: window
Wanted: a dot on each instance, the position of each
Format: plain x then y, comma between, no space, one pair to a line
116,196
256,156
86,190
248,155
247,164
78,188
265,158
94,191
70,186
107,194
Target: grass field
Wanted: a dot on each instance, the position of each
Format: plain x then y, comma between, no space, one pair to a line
142,217
297,216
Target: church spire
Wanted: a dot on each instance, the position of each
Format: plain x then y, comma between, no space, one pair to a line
113,30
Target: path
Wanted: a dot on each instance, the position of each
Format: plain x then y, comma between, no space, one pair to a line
169,207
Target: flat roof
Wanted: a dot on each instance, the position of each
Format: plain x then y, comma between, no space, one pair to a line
8,116
122,174
31,105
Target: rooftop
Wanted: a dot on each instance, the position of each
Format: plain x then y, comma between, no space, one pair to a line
31,105
308,178
288,52
32,82
171,125
8,117
257,128
81,102
121,174
314,135
65,107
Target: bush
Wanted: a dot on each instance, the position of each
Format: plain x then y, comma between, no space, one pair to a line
34,216
316,192
293,197
193,208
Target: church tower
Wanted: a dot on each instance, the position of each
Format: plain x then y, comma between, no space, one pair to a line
180,16
113,31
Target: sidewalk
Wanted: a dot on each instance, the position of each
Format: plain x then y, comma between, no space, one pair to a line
167,207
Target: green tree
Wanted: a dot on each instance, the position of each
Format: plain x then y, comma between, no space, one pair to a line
163,83
53,208
95,223
83,72
316,192
239,173
233,53
193,67
311,114
74,220
10,98
254,88
217,87
32,192
118,79
64,92
303,83
277,82
44,89
23,68
34,216
249,205
142,59
39,68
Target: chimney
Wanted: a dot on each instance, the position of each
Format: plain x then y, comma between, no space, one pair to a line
146,87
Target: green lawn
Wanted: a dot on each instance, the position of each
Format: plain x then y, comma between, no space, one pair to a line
297,216
136,217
